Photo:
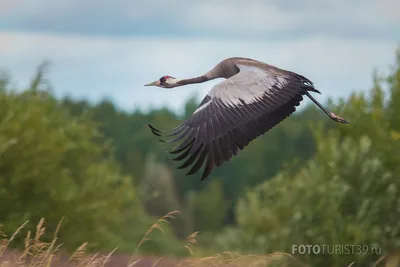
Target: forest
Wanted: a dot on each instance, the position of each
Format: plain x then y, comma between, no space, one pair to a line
102,172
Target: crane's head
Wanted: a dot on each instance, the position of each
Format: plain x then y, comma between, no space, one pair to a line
164,82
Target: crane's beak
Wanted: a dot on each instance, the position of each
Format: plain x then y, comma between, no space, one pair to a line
156,83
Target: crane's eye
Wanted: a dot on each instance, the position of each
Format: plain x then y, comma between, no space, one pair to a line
163,79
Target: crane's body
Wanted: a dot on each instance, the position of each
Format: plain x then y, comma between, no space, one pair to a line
253,98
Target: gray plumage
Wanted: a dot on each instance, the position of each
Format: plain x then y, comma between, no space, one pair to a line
253,98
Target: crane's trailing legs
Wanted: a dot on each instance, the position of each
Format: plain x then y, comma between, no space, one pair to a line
331,115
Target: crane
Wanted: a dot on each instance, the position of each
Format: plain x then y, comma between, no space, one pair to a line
253,98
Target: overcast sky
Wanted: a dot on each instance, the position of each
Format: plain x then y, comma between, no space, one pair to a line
111,49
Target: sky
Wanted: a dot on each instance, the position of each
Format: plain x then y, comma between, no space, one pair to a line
110,49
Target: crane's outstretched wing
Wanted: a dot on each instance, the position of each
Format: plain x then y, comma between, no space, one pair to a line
233,113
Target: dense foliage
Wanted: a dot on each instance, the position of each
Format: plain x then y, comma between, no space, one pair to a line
308,181
53,165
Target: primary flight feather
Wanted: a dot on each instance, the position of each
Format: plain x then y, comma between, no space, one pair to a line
253,98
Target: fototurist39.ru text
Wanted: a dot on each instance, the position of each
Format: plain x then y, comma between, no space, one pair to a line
337,249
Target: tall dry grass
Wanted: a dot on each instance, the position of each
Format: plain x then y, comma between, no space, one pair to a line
37,253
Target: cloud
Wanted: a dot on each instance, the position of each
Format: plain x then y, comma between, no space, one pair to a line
7,5
390,9
260,17
254,19
95,67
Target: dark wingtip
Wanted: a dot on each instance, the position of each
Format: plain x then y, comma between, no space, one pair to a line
203,177
155,133
207,170
152,128
178,158
205,174
199,163
179,148
191,172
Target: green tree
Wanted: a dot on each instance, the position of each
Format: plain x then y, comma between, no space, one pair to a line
53,164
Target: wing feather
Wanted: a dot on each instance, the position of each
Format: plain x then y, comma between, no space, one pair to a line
235,112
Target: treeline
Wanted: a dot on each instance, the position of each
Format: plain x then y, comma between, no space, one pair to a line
308,181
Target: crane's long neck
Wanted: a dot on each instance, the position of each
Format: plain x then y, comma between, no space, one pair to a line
217,72
200,79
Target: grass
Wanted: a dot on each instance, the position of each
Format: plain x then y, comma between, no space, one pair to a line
37,253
